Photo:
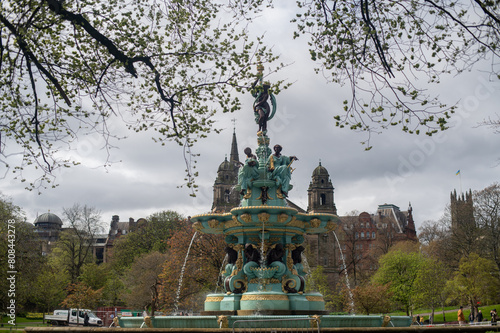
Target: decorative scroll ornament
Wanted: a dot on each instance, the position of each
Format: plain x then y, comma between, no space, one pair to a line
288,284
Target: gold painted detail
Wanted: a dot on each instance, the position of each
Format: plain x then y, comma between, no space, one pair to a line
279,194
247,218
315,321
290,283
214,298
241,284
264,298
330,226
295,223
213,223
197,226
233,223
223,321
315,223
315,298
289,259
248,194
148,321
264,217
282,218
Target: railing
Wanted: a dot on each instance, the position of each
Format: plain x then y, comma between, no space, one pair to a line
284,325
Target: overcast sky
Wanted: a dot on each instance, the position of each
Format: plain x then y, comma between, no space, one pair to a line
400,169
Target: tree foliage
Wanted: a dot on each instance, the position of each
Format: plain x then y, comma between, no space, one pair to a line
49,291
487,215
151,235
81,296
381,49
68,68
372,298
74,248
186,279
399,269
476,280
317,281
142,281
19,252
430,285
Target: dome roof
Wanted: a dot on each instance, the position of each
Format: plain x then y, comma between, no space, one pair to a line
320,171
48,218
225,166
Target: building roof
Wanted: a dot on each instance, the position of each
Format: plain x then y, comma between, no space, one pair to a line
49,218
320,171
226,166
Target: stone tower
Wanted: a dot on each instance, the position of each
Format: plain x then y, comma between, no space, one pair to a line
462,211
320,192
324,249
225,197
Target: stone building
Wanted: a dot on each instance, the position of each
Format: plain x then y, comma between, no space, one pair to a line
462,210
225,198
48,226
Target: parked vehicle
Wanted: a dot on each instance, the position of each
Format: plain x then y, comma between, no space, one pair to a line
72,317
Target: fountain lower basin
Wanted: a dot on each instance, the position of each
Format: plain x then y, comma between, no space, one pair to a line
263,321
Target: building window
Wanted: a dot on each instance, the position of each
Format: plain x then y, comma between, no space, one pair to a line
373,234
368,235
362,235
322,199
356,236
361,224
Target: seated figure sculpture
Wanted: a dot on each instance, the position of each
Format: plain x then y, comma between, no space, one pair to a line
247,173
279,165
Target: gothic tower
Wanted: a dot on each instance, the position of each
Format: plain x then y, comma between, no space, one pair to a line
462,211
320,192
225,197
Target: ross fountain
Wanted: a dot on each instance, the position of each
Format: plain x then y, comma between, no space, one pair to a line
264,276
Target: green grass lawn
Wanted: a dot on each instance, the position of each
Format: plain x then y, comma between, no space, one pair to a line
450,316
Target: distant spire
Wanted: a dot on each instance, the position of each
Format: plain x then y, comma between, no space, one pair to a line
234,148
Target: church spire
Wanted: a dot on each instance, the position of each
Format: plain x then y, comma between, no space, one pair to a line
234,149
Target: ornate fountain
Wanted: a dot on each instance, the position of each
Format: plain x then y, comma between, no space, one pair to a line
264,276
264,239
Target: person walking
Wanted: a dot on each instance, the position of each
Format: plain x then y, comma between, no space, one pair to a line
494,317
460,316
